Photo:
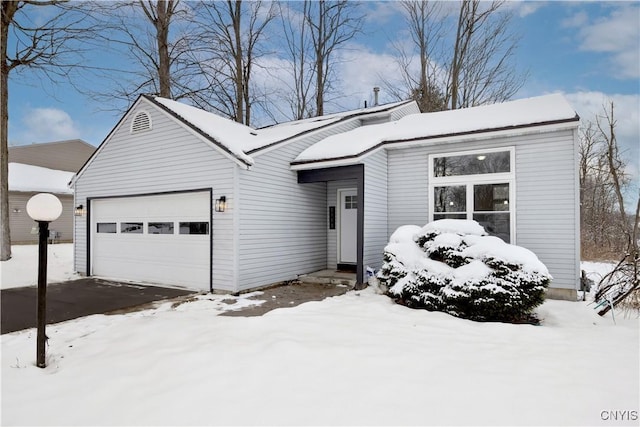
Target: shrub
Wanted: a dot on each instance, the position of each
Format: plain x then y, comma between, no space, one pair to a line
455,267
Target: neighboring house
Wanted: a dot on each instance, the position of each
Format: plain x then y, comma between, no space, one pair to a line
37,168
321,193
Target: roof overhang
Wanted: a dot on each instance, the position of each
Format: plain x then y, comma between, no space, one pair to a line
477,135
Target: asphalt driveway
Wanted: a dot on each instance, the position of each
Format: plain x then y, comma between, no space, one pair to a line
76,298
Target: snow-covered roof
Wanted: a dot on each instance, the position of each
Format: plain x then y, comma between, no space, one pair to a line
487,118
241,140
35,178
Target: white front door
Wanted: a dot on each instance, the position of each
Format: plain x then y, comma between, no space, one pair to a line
162,239
347,240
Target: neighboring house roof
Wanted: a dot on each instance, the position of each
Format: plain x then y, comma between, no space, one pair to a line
241,140
513,115
67,155
28,178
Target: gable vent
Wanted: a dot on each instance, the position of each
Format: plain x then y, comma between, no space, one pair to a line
141,122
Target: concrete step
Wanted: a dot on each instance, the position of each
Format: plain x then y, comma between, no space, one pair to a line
329,277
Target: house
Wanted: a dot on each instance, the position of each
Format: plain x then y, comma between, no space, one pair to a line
181,196
46,167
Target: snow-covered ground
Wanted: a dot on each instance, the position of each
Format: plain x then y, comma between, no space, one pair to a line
22,268
353,359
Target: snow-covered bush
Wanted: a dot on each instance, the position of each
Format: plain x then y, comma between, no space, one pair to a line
454,266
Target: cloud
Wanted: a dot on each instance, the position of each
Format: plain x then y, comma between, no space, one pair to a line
381,13
617,34
361,70
46,125
577,20
525,8
627,117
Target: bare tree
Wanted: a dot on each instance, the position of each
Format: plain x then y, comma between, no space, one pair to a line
481,69
156,38
45,46
425,22
624,281
160,14
331,25
598,219
471,67
299,67
229,47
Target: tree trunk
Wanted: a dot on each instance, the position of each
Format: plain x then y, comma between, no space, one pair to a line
8,10
164,11
320,60
457,56
237,13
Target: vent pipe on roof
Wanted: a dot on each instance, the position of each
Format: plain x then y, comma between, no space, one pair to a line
376,90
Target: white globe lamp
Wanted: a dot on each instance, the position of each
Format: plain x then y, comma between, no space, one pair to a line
44,207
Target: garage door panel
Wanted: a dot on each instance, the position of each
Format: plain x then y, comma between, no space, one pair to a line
175,259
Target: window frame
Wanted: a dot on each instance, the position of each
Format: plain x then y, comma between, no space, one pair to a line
473,179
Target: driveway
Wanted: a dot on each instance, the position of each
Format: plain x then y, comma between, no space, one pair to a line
76,298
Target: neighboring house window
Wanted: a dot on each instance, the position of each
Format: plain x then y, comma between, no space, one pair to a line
478,185
141,122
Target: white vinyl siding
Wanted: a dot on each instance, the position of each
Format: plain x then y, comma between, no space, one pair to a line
407,188
166,158
546,217
547,220
283,224
405,110
375,209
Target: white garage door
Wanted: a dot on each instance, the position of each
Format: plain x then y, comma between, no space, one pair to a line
161,239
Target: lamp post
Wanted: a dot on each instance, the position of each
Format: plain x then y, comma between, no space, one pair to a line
43,208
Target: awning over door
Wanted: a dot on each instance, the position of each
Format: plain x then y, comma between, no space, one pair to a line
353,172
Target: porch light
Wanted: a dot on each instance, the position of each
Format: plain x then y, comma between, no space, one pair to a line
43,208
221,204
80,210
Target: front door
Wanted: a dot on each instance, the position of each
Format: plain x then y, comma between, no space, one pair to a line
347,239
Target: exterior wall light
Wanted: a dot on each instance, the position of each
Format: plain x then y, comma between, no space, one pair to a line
43,208
221,204
80,210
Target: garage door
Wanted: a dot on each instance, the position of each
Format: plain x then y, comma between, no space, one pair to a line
158,239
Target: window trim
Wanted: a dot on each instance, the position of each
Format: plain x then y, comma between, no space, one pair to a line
470,180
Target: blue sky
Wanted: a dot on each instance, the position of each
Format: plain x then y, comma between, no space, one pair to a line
590,51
